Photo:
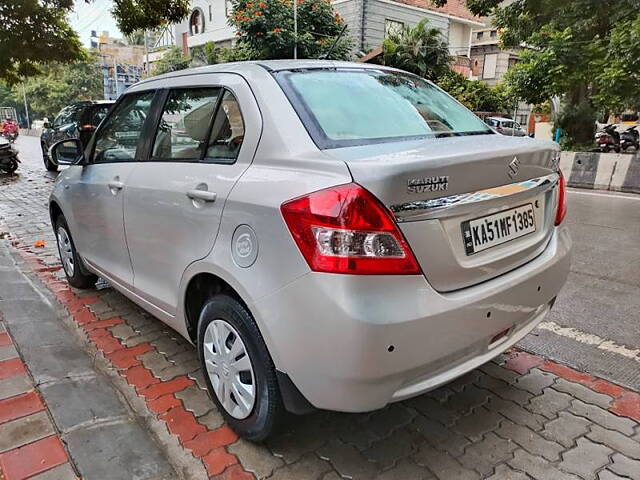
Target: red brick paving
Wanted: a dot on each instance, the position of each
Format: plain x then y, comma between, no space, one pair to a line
164,403
522,362
218,460
627,405
110,322
207,441
5,340
172,386
126,356
33,458
182,423
11,368
235,472
20,406
140,377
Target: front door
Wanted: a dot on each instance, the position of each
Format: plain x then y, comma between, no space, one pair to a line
174,200
97,197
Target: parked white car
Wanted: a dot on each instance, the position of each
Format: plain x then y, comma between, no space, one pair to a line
330,235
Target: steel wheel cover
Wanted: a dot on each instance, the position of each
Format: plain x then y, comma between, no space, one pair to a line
229,369
66,251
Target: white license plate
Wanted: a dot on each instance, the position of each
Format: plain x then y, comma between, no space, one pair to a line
486,232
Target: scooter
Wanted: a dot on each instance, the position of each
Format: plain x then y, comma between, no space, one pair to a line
8,158
630,138
608,139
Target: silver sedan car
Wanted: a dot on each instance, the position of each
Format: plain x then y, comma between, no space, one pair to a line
330,235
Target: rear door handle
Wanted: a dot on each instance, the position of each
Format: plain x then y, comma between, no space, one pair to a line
204,195
116,185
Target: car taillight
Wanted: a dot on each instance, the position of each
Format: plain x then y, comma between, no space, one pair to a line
562,200
87,128
345,229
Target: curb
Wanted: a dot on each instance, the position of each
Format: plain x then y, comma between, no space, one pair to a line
183,439
602,171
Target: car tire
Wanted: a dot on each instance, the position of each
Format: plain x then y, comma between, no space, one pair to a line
74,269
223,321
48,164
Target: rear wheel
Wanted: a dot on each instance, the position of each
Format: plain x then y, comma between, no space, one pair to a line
238,369
76,272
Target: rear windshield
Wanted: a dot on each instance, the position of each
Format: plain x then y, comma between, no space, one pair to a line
346,107
97,112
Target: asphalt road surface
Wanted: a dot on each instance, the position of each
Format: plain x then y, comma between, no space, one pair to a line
595,323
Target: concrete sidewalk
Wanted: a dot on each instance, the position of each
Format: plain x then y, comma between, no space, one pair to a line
59,417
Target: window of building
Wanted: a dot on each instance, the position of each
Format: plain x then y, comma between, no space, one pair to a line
185,124
228,7
210,14
392,27
227,133
490,63
493,34
479,35
196,22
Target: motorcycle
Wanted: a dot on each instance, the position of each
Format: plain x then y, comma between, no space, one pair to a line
9,130
630,138
608,139
8,158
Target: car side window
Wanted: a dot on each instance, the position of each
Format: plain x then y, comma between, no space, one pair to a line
227,133
117,139
185,124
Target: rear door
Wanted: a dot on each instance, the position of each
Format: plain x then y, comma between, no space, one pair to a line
205,139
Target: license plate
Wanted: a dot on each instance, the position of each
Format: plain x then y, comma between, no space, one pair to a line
486,232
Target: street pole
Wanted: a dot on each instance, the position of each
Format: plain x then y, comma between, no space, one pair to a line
295,29
115,78
26,107
146,53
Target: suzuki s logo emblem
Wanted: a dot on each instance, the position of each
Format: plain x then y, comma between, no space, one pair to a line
513,167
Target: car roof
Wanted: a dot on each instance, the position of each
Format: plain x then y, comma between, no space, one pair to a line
94,102
269,65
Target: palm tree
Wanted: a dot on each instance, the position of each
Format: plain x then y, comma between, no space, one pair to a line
421,50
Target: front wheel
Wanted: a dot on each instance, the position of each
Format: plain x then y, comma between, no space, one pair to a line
48,164
238,369
76,273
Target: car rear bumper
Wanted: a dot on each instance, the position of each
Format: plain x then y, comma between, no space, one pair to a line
357,343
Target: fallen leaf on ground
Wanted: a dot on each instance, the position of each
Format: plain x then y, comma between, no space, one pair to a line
39,244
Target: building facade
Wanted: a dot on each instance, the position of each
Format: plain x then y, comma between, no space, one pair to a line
369,22
122,65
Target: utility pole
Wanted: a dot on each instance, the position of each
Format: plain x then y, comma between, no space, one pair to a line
295,29
26,107
115,78
146,53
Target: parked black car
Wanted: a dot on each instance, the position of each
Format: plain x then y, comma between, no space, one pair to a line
78,120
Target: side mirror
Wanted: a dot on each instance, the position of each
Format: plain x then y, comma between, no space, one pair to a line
46,125
67,152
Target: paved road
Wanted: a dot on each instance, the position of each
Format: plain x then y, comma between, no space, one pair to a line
601,301
517,418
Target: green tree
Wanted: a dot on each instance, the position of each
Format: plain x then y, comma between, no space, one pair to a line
267,29
581,50
476,95
421,50
132,15
619,79
35,31
61,84
172,60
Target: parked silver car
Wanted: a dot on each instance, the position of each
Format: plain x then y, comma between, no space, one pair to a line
330,235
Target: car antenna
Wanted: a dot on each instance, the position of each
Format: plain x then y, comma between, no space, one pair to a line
335,42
